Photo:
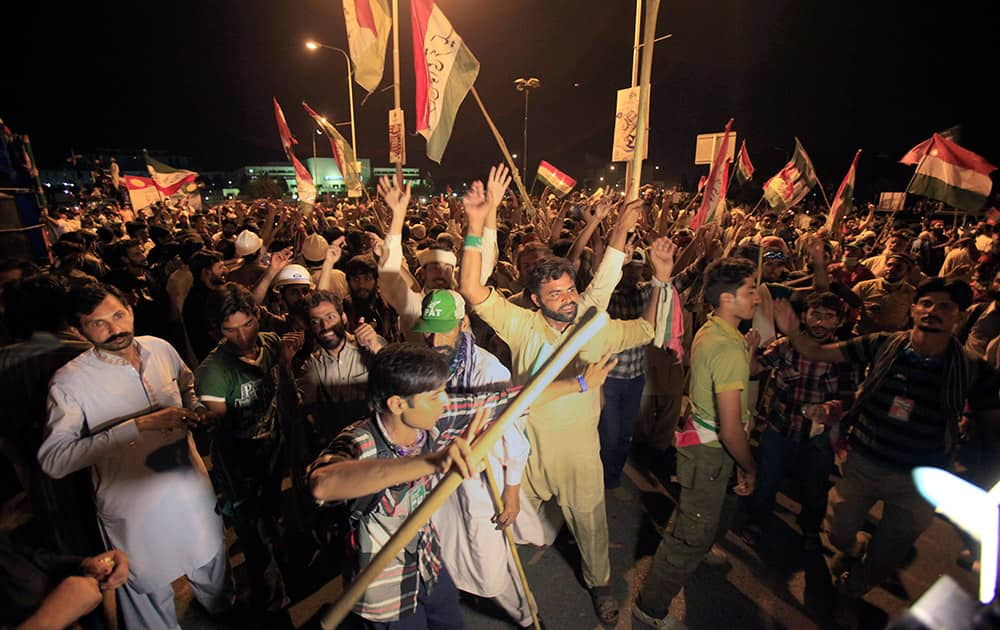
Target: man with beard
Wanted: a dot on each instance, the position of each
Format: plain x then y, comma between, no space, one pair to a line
335,377
849,271
208,273
985,324
887,300
122,409
239,383
906,415
471,541
803,422
565,430
366,303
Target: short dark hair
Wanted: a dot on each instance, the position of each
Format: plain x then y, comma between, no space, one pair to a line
230,299
319,296
404,369
201,261
528,247
36,303
959,290
725,276
360,265
826,299
84,298
547,270
134,227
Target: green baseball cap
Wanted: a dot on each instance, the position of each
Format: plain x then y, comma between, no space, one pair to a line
441,311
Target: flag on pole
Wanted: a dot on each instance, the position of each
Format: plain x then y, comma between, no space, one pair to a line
744,168
343,153
445,70
303,180
715,187
950,173
142,191
792,182
701,184
555,179
368,24
842,201
167,179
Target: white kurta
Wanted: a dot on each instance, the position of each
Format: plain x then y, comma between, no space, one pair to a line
474,551
153,495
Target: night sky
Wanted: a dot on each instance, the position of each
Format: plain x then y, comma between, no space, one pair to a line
196,78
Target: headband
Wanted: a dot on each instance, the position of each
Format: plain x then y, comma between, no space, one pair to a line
442,256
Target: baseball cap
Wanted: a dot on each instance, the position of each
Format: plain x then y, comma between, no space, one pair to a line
247,243
441,311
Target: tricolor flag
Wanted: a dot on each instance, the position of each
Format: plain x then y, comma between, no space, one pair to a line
342,153
842,201
445,70
368,23
167,179
142,191
744,168
792,182
950,173
555,179
303,180
717,184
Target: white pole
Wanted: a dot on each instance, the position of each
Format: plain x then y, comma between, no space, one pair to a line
652,10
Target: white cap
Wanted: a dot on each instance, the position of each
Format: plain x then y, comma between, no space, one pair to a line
247,243
314,247
292,274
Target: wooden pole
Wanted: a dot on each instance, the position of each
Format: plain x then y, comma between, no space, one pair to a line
641,125
525,199
591,322
395,84
498,501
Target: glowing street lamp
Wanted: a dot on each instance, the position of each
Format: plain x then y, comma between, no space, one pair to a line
526,85
315,45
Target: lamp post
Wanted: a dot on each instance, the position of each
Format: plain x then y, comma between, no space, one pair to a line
314,45
526,85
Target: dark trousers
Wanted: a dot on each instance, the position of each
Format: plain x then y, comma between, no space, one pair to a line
622,397
812,461
437,610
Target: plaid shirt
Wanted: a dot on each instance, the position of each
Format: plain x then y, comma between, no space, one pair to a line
798,381
394,593
629,303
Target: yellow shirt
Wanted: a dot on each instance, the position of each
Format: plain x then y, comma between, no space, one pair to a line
720,362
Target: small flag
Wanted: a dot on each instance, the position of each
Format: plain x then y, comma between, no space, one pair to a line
368,24
167,179
842,201
142,191
445,70
304,185
701,183
744,168
342,153
555,179
792,182
718,182
952,174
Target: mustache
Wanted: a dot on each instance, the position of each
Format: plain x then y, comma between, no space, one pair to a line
118,337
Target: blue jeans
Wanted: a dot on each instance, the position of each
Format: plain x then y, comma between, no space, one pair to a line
622,397
813,462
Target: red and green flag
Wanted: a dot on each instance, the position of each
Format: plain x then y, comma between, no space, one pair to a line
368,24
169,180
555,179
343,153
843,201
716,186
949,173
793,182
744,168
445,70
142,192
305,188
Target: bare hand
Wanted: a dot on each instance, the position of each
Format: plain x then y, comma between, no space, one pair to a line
166,419
745,483
629,216
596,373
110,569
395,196
662,257
785,316
291,343
366,337
458,453
497,184
475,204
334,251
511,499
280,259
752,339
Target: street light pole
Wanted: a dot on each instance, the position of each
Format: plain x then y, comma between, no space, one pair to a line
526,85
313,45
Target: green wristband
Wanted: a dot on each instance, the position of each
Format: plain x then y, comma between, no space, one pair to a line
474,241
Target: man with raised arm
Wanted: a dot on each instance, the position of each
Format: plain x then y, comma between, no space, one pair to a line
565,462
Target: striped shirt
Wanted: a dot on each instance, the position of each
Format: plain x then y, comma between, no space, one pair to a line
393,594
629,303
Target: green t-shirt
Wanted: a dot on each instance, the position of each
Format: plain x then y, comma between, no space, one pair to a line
250,390
720,362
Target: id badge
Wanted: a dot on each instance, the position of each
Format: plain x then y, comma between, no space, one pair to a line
901,408
417,496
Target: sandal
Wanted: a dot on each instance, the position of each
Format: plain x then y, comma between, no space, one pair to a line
605,605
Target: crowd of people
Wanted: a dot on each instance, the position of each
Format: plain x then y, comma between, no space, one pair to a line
173,367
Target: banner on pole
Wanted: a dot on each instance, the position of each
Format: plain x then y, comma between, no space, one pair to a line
397,141
626,120
708,144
